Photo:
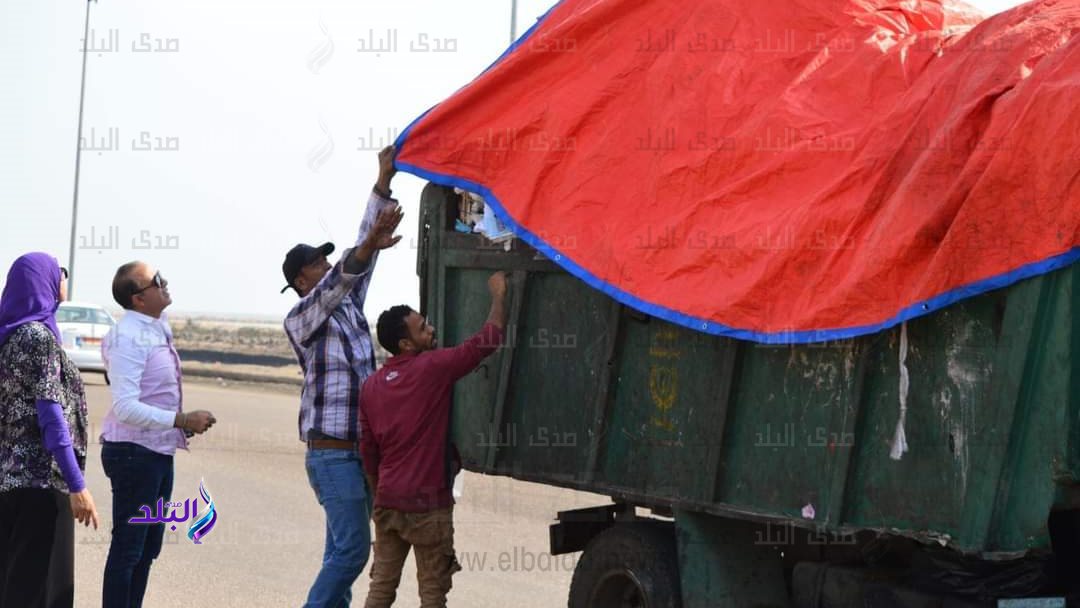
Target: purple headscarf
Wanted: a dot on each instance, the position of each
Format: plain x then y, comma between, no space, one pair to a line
32,293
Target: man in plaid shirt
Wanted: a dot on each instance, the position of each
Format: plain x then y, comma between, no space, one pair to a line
330,335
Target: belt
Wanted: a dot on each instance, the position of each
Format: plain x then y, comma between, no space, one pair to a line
330,444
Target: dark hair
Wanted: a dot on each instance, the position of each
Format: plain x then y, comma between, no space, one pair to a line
123,285
392,328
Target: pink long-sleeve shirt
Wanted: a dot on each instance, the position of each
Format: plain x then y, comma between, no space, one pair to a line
144,369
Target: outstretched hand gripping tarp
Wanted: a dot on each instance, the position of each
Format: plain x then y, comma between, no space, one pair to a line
779,171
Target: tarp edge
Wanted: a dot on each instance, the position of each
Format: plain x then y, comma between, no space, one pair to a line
913,311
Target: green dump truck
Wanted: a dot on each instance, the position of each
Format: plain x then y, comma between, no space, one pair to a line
750,475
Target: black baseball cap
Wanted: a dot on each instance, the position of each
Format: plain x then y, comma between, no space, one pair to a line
301,256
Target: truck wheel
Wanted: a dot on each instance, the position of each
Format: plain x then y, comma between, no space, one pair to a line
628,566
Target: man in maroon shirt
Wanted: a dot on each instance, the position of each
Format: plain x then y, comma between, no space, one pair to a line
404,422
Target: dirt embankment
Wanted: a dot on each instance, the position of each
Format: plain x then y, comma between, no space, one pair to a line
239,351
236,351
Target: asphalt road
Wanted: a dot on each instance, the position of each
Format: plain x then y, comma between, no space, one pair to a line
266,547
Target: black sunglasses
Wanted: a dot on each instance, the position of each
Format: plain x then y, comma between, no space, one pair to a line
64,272
157,281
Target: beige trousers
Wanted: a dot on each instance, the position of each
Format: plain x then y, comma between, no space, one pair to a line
431,535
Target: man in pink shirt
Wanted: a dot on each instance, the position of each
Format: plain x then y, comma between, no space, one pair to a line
143,429
405,419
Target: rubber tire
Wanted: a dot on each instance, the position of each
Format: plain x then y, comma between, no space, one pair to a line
644,550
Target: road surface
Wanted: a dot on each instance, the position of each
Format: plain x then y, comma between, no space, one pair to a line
267,545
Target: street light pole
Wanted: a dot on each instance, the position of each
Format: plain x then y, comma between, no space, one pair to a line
513,21
78,156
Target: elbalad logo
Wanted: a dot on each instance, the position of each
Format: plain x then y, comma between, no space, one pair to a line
167,512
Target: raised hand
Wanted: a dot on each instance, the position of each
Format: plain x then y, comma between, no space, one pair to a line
386,169
382,233
497,284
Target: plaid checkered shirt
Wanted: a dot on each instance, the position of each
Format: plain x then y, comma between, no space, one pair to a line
333,343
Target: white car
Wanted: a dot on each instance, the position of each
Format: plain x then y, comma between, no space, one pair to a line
83,326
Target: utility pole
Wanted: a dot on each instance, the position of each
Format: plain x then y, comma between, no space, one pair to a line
78,157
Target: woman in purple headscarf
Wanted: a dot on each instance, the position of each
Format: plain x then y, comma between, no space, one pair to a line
42,441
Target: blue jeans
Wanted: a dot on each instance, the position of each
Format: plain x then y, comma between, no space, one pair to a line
139,477
337,477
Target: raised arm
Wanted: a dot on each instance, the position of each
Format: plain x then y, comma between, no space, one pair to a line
381,218
312,311
497,289
459,360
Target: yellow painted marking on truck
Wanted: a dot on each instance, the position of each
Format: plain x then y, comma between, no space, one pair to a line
664,376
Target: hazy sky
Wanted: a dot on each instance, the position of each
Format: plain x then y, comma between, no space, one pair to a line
268,103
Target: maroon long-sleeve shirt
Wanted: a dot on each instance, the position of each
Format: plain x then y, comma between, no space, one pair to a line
405,418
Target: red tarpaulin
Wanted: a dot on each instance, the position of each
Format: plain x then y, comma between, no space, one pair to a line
782,171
